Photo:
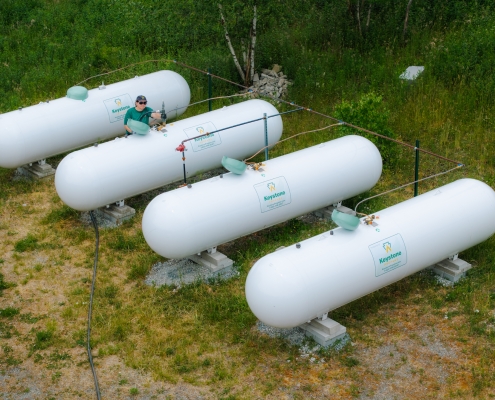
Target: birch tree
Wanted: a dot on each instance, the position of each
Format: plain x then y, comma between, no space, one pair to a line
246,71
407,17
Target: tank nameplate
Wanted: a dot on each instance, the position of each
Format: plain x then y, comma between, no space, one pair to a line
273,193
118,106
388,254
203,142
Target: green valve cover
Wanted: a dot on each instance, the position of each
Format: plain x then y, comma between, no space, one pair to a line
235,166
77,93
346,221
138,127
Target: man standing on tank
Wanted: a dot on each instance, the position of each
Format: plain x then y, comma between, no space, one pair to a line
139,113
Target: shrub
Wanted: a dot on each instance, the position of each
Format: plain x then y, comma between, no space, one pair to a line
370,113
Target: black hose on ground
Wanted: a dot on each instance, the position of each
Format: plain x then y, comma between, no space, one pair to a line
95,378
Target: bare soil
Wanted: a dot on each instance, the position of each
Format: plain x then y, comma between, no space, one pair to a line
405,352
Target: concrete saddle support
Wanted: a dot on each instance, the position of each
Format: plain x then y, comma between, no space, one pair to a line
37,171
117,213
324,331
451,269
215,261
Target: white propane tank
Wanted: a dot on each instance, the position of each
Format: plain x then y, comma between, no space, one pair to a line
187,221
116,170
294,285
84,116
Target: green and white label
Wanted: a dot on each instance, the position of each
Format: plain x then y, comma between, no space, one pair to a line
273,193
203,142
388,254
118,106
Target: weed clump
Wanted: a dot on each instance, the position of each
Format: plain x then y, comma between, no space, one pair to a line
4,285
9,312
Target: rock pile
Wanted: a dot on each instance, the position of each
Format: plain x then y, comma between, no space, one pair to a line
271,82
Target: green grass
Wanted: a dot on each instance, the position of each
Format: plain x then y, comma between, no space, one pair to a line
31,243
63,213
202,333
9,312
4,285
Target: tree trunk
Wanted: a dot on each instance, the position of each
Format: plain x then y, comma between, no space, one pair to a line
368,19
227,37
247,80
407,17
253,43
359,19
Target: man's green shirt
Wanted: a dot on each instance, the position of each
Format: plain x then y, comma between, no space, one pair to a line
135,115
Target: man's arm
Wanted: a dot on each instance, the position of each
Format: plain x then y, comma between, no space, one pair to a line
126,118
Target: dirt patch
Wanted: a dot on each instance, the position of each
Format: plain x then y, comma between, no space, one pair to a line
403,352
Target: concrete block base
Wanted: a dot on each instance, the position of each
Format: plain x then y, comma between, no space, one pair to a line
216,262
325,332
452,270
37,171
326,213
116,214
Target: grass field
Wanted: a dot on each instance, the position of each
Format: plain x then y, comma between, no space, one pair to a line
203,335
413,339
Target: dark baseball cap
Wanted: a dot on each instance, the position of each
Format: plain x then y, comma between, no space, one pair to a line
141,98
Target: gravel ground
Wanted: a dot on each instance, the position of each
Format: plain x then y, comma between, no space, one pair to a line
184,272
297,337
444,282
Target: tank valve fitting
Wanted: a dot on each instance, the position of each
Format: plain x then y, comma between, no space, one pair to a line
369,219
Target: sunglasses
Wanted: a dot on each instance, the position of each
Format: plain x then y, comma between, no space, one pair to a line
142,102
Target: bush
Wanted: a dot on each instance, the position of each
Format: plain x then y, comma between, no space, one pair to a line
369,113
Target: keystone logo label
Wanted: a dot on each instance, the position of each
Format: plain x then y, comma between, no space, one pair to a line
388,254
117,107
207,136
273,194
203,142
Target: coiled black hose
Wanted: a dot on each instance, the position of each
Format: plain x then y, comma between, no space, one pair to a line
95,378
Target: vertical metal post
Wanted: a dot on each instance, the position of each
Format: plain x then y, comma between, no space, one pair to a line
416,169
209,90
184,167
266,136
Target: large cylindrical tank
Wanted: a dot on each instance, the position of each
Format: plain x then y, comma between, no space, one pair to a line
122,168
186,221
294,285
84,116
